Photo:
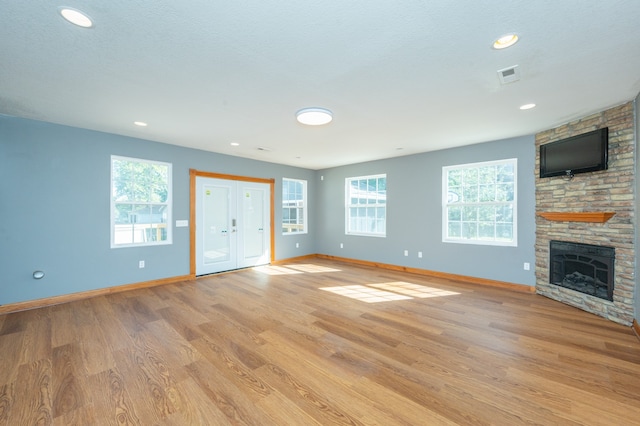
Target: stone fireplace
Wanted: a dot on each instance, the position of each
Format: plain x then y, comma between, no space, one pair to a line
585,237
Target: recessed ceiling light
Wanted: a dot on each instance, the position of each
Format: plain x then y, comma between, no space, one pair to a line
235,144
527,106
76,17
140,123
505,41
314,116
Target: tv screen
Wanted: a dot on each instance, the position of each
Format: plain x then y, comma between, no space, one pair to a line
584,153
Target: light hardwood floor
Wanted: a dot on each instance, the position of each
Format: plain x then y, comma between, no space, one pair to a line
272,346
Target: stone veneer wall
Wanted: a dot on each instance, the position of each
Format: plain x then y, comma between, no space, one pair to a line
610,190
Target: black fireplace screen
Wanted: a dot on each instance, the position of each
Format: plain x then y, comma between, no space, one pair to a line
582,267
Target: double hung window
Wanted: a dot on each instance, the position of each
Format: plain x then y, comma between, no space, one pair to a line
366,199
294,206
140,202
480,203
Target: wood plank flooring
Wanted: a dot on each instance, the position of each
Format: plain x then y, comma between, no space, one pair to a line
293,345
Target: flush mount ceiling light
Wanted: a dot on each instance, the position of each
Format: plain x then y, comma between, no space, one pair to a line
505,41
527,106
314,116
140,123
76,17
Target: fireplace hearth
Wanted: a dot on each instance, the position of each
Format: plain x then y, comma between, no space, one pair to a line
585,268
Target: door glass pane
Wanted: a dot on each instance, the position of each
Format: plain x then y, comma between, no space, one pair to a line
253,215
216,239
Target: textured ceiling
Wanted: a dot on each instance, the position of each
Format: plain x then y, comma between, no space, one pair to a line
400,77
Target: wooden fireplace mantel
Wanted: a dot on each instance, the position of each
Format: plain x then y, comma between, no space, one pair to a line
595,217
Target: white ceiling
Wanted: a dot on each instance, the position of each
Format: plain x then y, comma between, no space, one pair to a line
401,77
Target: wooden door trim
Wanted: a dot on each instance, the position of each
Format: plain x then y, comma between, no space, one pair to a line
193,174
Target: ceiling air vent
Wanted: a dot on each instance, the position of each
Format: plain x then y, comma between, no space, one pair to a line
509,75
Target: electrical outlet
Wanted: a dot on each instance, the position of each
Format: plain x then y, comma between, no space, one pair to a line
141,264
406,252
297,245
341,245
527,266
420,255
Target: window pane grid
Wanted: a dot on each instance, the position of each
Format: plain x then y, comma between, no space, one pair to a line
366,205
479,202
481,222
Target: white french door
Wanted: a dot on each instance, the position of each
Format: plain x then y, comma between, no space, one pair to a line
232,224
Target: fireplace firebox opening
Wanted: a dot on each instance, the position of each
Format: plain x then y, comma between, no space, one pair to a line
582,267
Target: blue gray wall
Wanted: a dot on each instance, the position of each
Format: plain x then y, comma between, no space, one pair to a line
414,214
54,209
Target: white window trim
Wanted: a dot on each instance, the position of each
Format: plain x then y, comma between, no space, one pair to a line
168,203
347,206
304,207
445,239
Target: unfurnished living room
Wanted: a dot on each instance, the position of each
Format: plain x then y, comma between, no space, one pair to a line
312,213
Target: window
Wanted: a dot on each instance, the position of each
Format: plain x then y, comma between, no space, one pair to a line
140,202
294,206
479,203
367,205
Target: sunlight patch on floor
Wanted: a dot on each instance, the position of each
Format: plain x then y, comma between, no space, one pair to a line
365,294
311,268
307,268
276,270
385,292
414,290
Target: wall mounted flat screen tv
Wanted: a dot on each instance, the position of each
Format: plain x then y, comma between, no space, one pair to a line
588,152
